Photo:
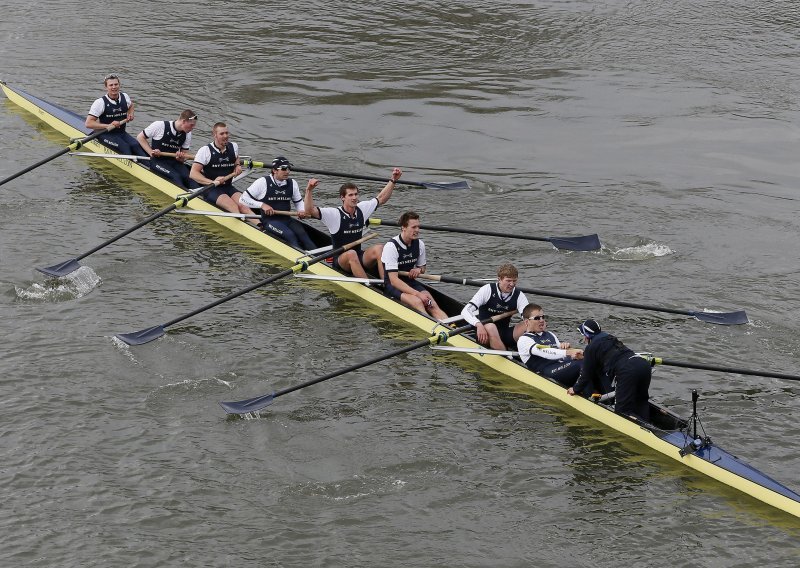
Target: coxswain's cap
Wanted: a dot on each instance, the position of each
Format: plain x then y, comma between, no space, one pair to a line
280,161
589,328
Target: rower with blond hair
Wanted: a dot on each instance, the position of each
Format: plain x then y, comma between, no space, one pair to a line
494,299
174,137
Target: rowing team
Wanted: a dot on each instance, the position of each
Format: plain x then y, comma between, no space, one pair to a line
605,365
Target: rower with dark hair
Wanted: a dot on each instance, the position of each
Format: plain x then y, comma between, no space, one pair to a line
406,253
113,108
494,299
543,353
278,192
173,137
212,163
608,363
346,224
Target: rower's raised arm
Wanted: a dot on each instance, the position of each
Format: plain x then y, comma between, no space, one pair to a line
311,210
387,190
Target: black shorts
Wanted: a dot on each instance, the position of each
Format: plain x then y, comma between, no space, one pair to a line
360,254
226,189
393,292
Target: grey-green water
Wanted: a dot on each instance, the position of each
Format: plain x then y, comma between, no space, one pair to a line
670,130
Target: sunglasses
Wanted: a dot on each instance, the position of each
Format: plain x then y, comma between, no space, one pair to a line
284,168
537,318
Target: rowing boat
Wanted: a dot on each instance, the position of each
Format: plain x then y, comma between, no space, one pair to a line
667,433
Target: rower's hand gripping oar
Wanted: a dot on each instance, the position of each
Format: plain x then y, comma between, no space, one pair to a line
584,243
71,148
427,185
151,333
720,318
71,265
259,402
700,366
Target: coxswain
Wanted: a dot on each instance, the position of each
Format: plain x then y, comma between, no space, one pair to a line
609,365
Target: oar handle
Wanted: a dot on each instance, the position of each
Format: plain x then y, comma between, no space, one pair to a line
174,154
704,367
112,126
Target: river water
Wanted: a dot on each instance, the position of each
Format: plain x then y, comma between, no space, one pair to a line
667,128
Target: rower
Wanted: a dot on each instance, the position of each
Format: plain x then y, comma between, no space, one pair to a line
174,137
607,361
212,163
494,299
112,108
346,224
543,353
406,252
278,192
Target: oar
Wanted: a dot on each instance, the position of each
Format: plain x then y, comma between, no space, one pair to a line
585,243
73,146
151,333
427,185
255,404
234,215
660,361
131,157
353,279
71,265
720,318
478,350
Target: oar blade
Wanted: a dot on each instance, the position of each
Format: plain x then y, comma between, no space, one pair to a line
722,318
463,184
584,243
143,336
249,405
62,269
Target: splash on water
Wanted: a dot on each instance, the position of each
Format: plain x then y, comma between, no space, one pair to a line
642,251
70,287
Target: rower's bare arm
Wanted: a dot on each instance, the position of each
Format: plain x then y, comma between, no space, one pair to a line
93,123
387,190
196,174
142,139
308,200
